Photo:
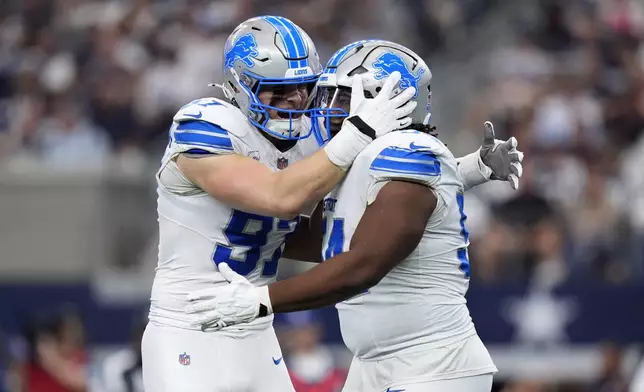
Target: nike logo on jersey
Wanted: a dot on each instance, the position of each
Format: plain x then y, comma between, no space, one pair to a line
194,115
412,146
394,390
277,361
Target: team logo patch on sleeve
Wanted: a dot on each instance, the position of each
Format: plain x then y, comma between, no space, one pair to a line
244,49
389,62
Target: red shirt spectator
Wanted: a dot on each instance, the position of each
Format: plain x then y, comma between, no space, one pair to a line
333,382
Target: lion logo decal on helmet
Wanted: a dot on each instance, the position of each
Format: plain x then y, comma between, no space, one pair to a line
243,49
389,62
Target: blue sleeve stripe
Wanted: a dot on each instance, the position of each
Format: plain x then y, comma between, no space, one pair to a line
201,126
407,166
405,153
201,139
201,133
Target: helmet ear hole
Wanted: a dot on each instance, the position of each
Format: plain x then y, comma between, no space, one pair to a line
358,70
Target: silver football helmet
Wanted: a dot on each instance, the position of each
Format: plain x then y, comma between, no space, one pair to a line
271,54
375,60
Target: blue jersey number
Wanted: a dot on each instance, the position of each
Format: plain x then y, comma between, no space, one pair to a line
336,242
250,231
462,252
336,238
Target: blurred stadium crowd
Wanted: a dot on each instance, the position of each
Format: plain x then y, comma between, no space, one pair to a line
572,91
92,85
80,80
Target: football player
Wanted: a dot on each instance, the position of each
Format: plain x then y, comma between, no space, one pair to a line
394,248
230,191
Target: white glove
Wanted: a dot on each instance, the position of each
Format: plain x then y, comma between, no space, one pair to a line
502,157
234,303
369,119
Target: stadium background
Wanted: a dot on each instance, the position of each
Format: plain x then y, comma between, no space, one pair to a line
87,91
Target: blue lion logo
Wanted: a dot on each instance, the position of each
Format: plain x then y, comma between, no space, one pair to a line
389,62
244,49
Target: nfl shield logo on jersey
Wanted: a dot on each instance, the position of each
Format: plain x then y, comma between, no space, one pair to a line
282,163
184,359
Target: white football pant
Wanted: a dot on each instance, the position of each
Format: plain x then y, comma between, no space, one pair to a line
177,359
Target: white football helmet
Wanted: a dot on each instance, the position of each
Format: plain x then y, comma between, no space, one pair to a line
270,52
374,60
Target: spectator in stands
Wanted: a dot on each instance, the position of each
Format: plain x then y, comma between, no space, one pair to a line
311,365
528,386
10,369
637,381
611,378
57,359
4,366
69,140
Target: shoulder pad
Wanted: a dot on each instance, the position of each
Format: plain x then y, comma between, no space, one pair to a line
407,155
414,140
215,111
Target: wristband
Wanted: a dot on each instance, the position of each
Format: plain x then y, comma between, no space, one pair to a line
344,147
265,307
472,170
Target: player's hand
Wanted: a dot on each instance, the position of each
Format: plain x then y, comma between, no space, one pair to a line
502,157
370,118
385,112
235,303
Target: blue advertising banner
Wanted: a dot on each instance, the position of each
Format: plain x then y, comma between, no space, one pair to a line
502,314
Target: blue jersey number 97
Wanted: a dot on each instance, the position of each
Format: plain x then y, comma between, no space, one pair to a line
251,231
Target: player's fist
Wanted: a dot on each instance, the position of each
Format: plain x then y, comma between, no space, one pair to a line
385,112
237,302
502,157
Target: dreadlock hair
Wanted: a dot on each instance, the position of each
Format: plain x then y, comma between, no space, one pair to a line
424,128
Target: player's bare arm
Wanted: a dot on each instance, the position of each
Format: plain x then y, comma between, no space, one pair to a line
252,187
306,241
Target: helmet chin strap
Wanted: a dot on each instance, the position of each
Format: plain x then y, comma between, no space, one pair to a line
283,126
227,93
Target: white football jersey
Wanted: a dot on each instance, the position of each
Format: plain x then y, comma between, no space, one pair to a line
196,231
420,304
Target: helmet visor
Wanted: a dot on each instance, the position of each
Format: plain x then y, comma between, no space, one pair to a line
332,106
